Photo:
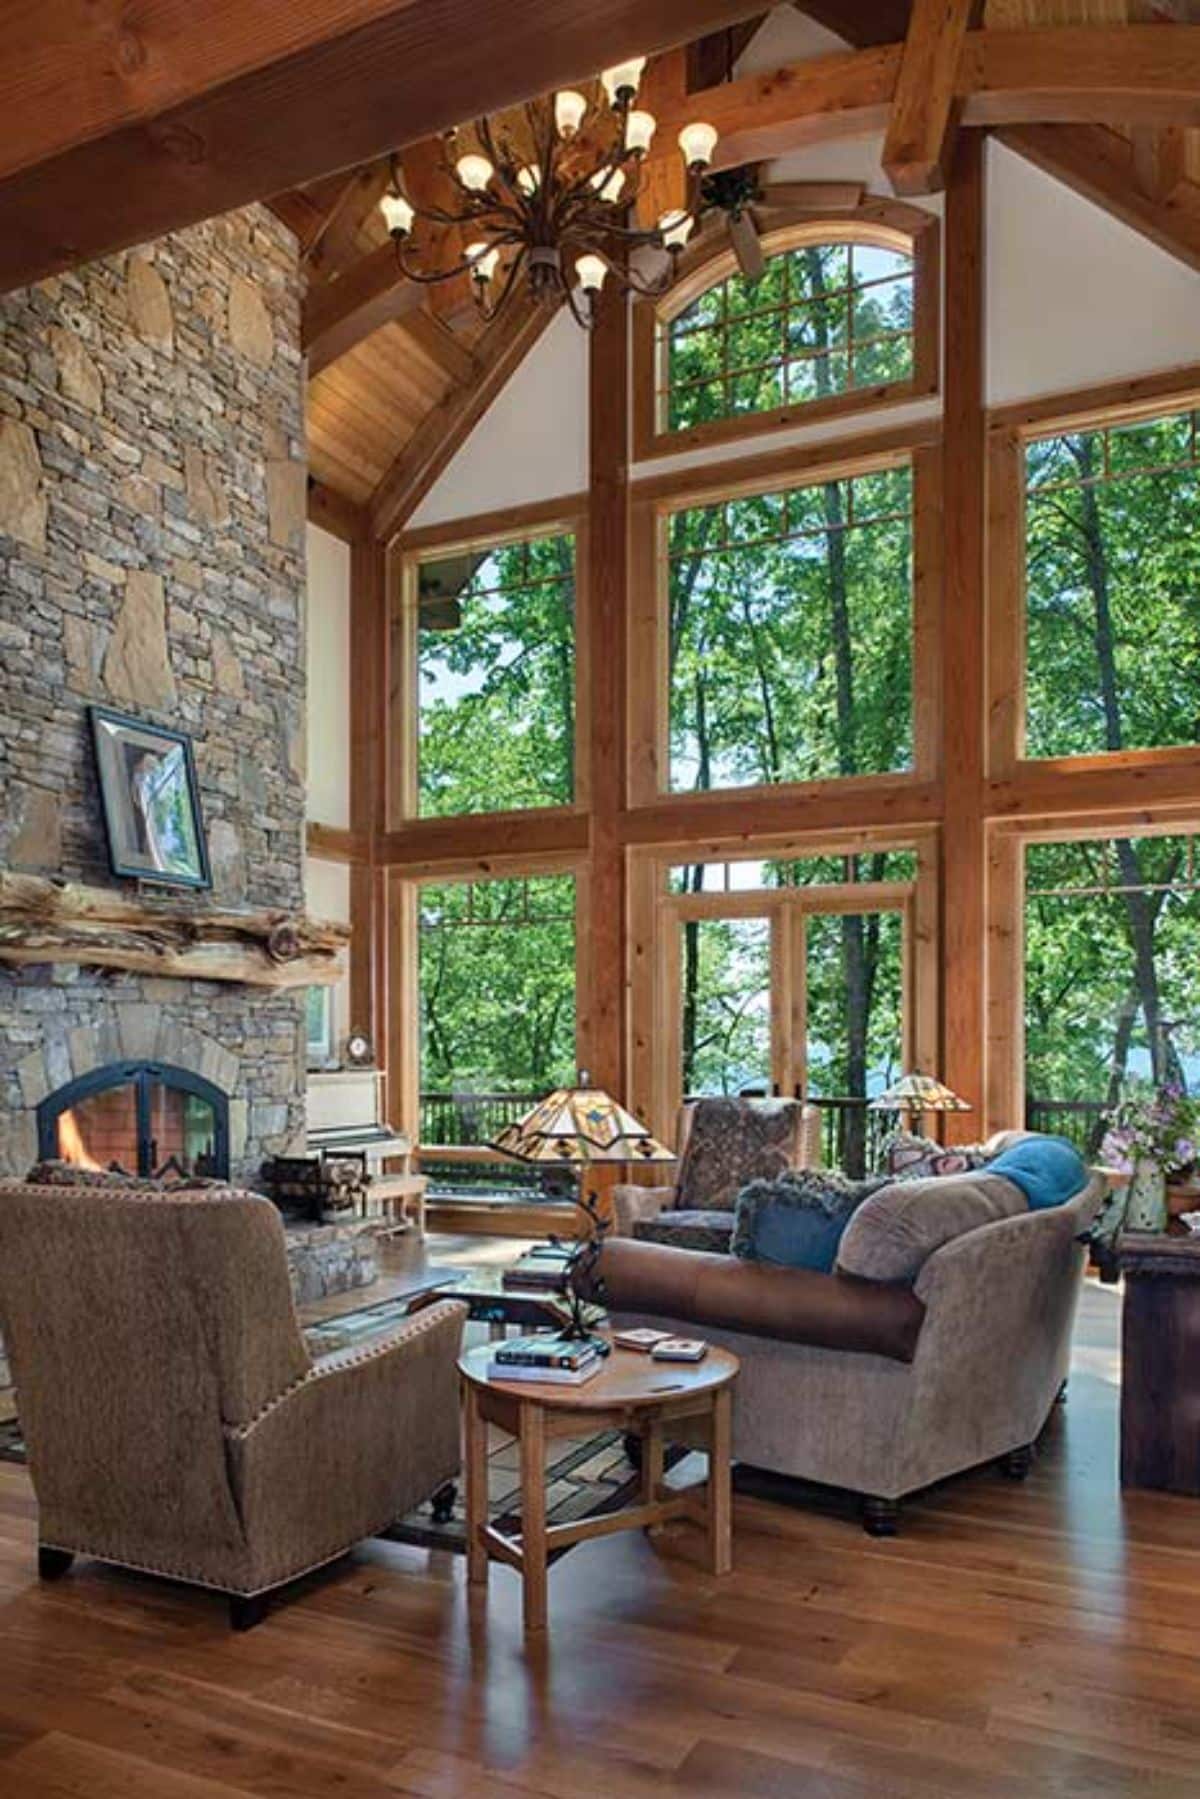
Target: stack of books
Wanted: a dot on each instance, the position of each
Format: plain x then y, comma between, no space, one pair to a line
543,1270
544,1358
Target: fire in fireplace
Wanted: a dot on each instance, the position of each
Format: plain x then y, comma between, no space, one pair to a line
144,1118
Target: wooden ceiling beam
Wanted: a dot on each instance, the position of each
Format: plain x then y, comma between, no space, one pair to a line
441,433
337,244
339,314
122,123
1131,74
923,125
1099,165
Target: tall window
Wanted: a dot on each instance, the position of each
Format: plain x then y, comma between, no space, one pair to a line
790,619
821,320
496,678
1112,948
1113,588
497,984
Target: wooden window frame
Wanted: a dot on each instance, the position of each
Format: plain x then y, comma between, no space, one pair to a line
492,530
655,499
884,224
1010,430
1005,947
654,911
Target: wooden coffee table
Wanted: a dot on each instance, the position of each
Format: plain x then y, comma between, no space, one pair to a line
632,1394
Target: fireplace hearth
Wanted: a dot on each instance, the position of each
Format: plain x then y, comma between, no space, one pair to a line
144,1118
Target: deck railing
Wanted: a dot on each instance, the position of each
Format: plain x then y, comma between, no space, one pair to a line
852,1139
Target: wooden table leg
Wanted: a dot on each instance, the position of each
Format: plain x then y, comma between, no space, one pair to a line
652,1465
533,1515
475,1454
720,1484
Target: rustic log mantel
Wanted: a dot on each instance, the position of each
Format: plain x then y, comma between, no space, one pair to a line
61,921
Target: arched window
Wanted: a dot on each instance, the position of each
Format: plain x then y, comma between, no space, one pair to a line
843,317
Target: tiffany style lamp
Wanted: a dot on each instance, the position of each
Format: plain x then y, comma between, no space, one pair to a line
578,1127
915,1094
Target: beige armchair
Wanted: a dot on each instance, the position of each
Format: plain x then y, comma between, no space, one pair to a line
175,1420
721,1144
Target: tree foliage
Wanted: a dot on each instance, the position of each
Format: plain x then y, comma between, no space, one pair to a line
497,688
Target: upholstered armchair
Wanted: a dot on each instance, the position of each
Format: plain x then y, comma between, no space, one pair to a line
721,1144
174,1418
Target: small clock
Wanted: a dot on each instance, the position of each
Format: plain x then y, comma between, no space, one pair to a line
360,1052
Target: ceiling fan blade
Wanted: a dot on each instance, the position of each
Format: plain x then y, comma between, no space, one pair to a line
815,196
743,235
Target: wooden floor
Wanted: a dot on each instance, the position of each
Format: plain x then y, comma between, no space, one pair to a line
1036,1640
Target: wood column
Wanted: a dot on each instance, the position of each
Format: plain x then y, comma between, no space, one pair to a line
368,701
602,957
964,477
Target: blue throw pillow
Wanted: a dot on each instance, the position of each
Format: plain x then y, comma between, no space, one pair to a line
1048,1170
797,1220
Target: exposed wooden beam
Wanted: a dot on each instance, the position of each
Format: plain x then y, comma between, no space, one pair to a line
121,130
336,245
1099,165
711,58
334,512
963,840
924,121
432,446
860,22
1131,74
339,314
1159,160
335,843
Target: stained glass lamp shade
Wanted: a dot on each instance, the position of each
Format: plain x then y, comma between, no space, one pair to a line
918,1093
577,1125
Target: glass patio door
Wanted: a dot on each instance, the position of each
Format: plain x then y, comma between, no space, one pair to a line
798,992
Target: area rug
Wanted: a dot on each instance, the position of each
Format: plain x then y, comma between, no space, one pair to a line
583,1480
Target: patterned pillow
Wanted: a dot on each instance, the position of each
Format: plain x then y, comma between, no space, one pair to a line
797,1220
732,1141
913,1158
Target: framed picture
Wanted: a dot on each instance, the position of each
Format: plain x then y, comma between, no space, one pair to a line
151,801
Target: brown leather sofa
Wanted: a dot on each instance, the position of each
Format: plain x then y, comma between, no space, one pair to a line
174,1418
884,1386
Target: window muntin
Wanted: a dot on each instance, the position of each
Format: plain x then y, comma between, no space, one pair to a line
821,320
1112,585
495,652
790,634
1112,943
749,876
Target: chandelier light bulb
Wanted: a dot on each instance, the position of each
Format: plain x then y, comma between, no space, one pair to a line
591,271
529,178
698,141
397,213
569,108
639,131
620,82
608,183
483,259
676,228
476,171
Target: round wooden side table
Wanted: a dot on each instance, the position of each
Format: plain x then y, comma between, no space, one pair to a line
631,1393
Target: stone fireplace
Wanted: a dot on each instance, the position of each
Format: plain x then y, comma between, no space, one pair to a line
152,509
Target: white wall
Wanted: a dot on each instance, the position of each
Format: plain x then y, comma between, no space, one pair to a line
532,444
1073,296
328,678
327,895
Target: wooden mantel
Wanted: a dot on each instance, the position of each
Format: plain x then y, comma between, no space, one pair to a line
60,921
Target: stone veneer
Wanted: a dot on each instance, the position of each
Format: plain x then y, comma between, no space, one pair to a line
152,506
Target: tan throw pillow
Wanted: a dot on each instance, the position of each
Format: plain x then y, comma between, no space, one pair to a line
893,1234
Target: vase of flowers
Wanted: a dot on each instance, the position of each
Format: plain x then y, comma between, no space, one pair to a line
1151,1136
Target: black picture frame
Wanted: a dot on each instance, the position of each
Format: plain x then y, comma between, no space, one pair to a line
151,800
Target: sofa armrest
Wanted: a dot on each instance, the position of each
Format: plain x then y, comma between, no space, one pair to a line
367,1434
630,1203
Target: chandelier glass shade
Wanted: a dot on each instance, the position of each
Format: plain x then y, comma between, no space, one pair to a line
545,197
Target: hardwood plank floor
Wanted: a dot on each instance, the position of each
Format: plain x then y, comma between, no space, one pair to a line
1041,1639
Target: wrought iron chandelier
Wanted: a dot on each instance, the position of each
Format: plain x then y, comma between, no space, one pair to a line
554,206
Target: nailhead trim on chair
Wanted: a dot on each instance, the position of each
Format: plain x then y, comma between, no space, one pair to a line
409,1330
